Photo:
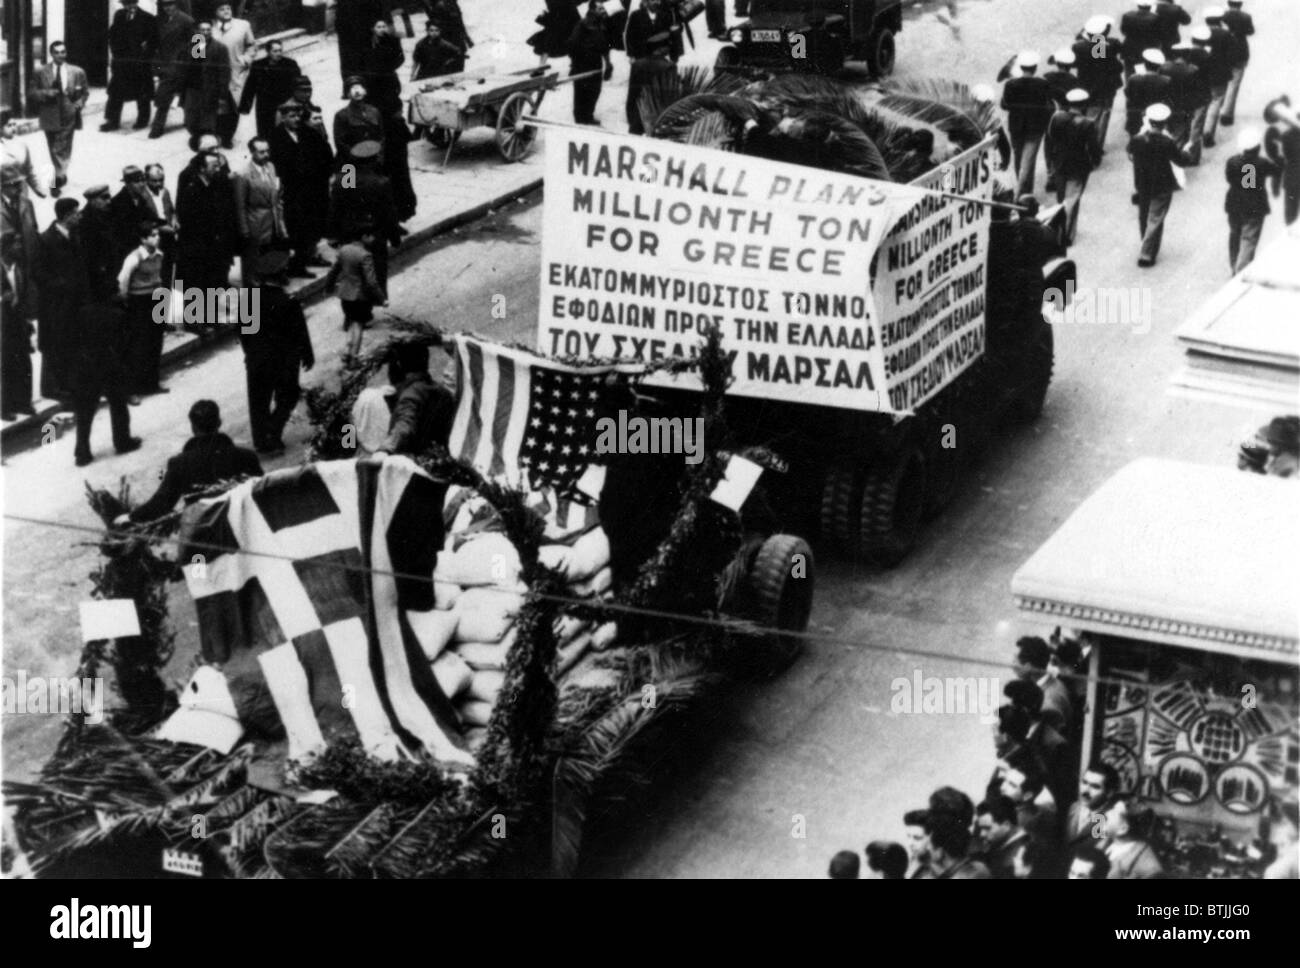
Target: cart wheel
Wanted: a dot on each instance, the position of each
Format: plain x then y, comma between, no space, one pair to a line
841,501
893,498
781,594
513,138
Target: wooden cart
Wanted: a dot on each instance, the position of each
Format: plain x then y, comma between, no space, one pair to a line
454,103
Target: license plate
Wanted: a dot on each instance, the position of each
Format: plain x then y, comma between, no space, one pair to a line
765,35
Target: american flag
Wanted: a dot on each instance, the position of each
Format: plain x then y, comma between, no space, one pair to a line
519,411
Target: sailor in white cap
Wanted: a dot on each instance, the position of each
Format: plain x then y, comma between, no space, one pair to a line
1029,104
1249,174
1240,25
1214,38
1099,65
1072,152
1061,78
1144,88
1141,29
1154,153
1171,16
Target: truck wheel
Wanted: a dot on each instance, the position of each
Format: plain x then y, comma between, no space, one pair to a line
881,56
841,505
893,498
781,593
728,57
1028,404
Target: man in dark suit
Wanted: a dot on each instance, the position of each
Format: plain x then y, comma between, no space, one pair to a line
97,370
354,24
209,234
1145,87
1141,30
380,60
435,55
175,34
1029,104
273,355
132,40
1154,152
998,838
1046,741
1171,16
304,161
356,122
270,83
59,91
1085,819
1242,27
207,458
61,281
1101,72
129,207
1249,175
15,332
423,409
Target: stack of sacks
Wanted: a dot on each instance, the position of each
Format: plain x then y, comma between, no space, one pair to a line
478,595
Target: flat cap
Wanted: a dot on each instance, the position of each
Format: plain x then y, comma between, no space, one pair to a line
63,206
354,79
95,191
132,173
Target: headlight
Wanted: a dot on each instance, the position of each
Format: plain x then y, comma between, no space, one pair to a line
736,36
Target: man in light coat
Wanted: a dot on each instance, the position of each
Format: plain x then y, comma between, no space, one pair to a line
259,208
59,90
236,37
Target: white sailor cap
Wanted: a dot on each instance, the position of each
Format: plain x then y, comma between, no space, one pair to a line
1212,13
1201,34
1027,58
1077,96
1063,57
1097,25
982,93
1153,56
1249,139
1157,113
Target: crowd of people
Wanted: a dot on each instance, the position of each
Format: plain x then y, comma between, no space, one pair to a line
1037,816
1178,95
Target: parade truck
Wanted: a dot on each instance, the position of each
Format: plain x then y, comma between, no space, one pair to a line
1178,581
814,35
879,333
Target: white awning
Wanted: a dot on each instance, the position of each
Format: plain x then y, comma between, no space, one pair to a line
1204,557
1243,345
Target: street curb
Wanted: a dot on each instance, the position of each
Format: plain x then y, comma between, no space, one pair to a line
308,294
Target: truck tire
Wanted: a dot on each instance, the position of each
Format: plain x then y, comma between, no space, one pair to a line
728,57
1028,404
880,59
779,599
841,505
893,499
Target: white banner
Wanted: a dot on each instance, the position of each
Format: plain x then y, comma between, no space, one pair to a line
930,276
647,243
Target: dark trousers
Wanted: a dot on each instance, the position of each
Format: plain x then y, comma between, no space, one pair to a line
272,394
141,344
53,327
1243,240
169,89
100,376
1152,210
15,363
60,144
585,95
715,16
133,85
1291,205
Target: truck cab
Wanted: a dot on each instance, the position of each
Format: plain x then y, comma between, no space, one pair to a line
814,36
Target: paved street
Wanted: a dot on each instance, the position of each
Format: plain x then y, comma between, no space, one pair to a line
818,743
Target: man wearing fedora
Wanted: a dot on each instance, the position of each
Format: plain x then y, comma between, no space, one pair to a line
59,90
171,61
132,39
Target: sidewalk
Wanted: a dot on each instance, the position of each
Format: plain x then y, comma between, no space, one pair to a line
475,180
